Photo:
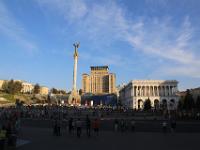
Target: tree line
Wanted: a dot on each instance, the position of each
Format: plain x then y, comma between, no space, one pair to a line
188,103
15,87
56,91
12,87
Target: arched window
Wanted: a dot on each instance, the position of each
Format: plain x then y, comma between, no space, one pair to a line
140,104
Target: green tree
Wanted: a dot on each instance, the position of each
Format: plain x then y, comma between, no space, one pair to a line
188,101
180,103
12,87
63,92
17,87
36,89
147,104
198,103
54,91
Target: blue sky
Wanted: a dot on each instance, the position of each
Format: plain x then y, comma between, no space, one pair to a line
137,39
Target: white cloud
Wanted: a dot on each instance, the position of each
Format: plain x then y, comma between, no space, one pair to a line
11,28
71,10
113,59
163,40
108,22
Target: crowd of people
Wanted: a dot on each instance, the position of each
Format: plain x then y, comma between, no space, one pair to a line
77,119
9,126
77,126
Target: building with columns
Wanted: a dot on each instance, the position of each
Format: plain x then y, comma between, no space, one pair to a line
100,81
27,87
162,93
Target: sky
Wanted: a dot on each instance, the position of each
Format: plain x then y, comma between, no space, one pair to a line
137,39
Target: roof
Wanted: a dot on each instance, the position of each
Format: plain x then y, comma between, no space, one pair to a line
98,67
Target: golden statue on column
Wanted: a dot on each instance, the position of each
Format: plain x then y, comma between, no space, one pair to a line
74,98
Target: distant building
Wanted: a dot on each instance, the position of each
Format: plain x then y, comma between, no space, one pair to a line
44,90
162,93
100,81
27,87
118,88
1,84
194,92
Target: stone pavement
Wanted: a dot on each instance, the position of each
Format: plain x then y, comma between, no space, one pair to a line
42,139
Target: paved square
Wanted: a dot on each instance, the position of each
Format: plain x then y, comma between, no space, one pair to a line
42,138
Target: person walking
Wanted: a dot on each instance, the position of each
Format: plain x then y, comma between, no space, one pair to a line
2,138
132,125
164,126
17,126
70,126
59,127
96,126
78,126
173,126
116,125
55,127
122,125
88,125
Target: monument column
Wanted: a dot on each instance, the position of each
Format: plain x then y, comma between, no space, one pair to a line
75,66
74,97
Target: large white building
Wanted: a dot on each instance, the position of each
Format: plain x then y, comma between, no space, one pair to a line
162,93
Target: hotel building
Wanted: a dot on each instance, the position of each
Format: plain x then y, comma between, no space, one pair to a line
100,81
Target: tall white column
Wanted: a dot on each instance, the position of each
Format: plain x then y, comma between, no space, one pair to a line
157,90
141,90
145,90
153,91
75,72
75,66
169,91
149,91
165,90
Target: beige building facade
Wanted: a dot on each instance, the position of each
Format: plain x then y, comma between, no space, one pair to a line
1,83
44,90
100,81
160,92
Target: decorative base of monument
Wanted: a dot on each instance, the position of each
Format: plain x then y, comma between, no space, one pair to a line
74,99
